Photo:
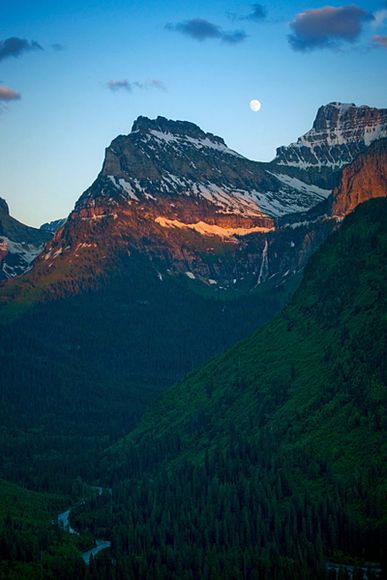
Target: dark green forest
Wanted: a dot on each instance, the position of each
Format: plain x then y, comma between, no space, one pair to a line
78,372
268,462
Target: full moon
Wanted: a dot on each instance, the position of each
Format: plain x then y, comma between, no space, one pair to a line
255,105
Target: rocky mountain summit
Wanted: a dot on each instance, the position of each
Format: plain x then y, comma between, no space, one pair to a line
180,196
339,134
194,207
161,158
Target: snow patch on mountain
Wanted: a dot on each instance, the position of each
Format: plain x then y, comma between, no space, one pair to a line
185,140
18,256
318,193
292,195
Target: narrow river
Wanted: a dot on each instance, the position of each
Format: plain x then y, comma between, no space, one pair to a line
101,545
63,521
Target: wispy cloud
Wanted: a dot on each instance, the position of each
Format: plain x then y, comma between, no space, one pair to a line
115,86
15,47
7,94
200,29
327,27
379,41
57,46
125,85
234,37
155,84
258,12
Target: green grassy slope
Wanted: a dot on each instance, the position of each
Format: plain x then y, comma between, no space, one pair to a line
272,458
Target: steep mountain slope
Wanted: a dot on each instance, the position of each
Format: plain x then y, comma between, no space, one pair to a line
78,372
339,133
102,324
364,179
194,207
119,306
270,460
19,244
182,198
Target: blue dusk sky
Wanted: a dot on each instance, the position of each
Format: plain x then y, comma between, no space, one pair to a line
75,74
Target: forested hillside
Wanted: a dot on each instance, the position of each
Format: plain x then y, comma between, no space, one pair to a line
270,460
32,546
77,373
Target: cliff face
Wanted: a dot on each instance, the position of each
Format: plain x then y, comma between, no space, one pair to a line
339,134
364,179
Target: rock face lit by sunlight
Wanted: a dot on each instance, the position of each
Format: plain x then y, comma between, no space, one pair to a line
211,229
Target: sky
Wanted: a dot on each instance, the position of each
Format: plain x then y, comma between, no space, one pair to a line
74,75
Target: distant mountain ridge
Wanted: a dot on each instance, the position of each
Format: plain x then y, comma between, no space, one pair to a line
19,244
52,226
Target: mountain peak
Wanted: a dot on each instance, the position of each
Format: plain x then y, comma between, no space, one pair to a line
342,106
340,132
334,114
163,158
182,129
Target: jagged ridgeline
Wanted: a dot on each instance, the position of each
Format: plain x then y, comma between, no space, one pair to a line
270,461
340,132
195,207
